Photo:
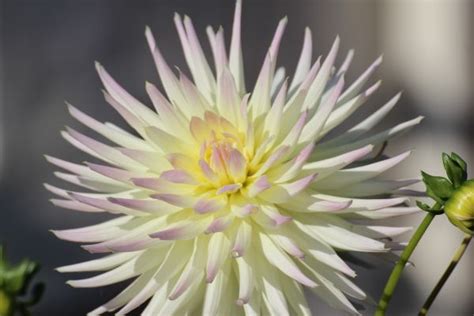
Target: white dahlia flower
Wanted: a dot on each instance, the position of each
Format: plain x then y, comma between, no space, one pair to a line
227,202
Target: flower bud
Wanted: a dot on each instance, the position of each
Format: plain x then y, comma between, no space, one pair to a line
460,207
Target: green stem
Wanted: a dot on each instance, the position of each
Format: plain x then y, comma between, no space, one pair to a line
452,265
397,270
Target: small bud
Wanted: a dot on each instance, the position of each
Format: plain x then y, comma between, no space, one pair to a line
460,207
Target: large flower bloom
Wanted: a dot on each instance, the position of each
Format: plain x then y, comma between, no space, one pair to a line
228,202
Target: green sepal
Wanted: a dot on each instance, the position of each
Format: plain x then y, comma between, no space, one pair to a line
435,209
438,188
423,206
455,169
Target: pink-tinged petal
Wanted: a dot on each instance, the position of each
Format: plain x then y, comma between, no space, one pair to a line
166,142
122,139
96,233
209,205
288,245
149,206
176,200
169,80
150,159
196,102
273,119
342,112
292,168
199,129
220,224
148,183
296,187
376,204
345,144
270,218
217,162
260,99
346,63
178,176
58,191
320,82
260,185
237,166
354,175
100,150
184,230
236,65
218,251
229,188
113,173
228,100
274,158
383,213
327,166
359,82
75,205
281,261
275,45
69,166
141,111
264,147
204,78
218,49
330,206
125,113
171,119
316,123
163,186
304,62
104,204
208,172
244,210
295,132
181,161
188,53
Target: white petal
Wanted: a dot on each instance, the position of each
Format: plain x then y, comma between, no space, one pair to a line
101,264
215,291
242,239
236,65
218,252
282,262
304,62
134,267
246,280
359,83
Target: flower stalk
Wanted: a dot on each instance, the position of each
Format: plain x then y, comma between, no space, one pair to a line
452,265
397,271
454,197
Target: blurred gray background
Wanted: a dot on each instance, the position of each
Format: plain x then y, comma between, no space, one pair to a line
47,54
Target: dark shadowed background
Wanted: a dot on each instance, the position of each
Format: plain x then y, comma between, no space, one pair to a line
47,53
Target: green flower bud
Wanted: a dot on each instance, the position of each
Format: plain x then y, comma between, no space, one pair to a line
460,207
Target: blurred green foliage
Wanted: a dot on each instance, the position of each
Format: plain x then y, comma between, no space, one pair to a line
15,296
